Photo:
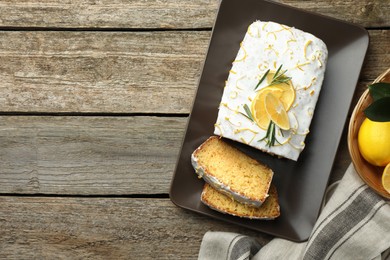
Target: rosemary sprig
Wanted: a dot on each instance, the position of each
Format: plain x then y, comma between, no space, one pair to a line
279,77
248,113
262,79
277,71
270,137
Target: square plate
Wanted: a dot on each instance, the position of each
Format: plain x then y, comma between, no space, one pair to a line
301,185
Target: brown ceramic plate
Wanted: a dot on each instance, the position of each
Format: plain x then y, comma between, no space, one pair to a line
370,174
301,185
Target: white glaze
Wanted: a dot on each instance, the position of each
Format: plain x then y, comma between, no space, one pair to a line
267,45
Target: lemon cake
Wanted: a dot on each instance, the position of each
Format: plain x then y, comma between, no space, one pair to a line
223,203
232,172
272,89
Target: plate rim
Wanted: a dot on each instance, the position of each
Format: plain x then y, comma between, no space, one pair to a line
364,34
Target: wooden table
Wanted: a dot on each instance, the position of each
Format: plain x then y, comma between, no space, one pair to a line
94,99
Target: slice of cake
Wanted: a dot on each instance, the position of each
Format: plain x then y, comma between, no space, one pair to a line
232,172
272,89
223,203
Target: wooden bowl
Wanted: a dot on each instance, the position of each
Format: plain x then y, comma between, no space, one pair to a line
370,174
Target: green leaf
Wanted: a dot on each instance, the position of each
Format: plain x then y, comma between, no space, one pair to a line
379,90
280,80
379,110
277,71
262,79
248,112
270,137
279,77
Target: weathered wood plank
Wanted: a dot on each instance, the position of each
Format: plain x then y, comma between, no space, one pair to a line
103,228
88,155
95,155
166,13
366,13
378,55
100,72
109,14
117,72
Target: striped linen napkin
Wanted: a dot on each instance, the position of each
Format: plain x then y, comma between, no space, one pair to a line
354,224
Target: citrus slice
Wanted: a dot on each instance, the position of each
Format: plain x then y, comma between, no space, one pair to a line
288,95
258,106
386,178
276,111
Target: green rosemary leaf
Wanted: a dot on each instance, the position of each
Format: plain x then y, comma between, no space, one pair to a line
265,138
269,129
272,141
245,115
277,71
249,118
279,81
262,79
248,112
279,77
270,137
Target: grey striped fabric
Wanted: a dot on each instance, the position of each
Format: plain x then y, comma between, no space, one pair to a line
228,246
354,224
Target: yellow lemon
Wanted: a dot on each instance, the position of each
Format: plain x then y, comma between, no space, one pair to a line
386,178
258,106
276,111
288,94
374,142
284,92
288,91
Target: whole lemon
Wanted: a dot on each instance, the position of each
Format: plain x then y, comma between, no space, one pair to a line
374,142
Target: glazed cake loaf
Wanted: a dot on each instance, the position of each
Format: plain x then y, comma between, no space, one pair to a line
272,89
223,203
232,172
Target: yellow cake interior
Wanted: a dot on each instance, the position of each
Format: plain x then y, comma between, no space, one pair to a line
269,209
234,169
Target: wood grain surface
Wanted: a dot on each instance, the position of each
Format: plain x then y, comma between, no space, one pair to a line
103,228
109,72
117,72
88,155
95,155
166,13
94,101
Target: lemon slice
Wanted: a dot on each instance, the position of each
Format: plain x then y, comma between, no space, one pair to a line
276,111
258,106
288,95
386,178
